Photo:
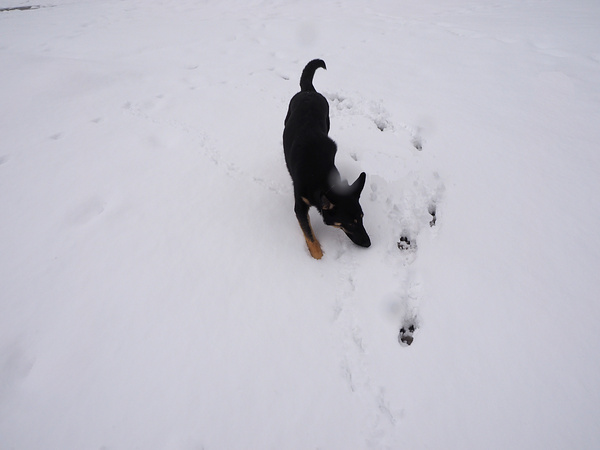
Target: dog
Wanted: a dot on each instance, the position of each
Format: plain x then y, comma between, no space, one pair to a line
309,156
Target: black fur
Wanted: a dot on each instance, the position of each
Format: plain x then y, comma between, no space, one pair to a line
309,155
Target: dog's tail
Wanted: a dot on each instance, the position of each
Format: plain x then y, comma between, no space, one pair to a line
308,73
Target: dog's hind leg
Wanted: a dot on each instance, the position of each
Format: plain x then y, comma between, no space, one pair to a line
301,210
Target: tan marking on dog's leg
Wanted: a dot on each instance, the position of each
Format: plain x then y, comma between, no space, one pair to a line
314,246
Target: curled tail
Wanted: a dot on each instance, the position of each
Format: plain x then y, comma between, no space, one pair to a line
308,73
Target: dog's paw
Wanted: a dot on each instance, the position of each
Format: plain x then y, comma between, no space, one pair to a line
315,250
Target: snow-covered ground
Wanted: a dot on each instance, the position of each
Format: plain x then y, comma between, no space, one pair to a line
156,291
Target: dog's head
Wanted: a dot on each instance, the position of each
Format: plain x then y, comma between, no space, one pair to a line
341,209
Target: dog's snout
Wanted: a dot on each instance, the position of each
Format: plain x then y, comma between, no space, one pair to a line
360,238
365,241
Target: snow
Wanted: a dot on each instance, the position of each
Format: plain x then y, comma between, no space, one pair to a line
156,290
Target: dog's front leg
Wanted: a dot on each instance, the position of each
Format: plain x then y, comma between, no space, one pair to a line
301,210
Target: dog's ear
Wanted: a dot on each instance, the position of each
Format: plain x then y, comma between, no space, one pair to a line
358,185
325,203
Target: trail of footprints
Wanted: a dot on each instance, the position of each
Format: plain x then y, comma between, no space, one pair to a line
411,207
410,217
406,210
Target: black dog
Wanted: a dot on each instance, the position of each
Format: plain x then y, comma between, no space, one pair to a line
309,155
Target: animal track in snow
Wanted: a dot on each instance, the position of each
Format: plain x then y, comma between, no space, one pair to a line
415,132
433,213
406,244
405,336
